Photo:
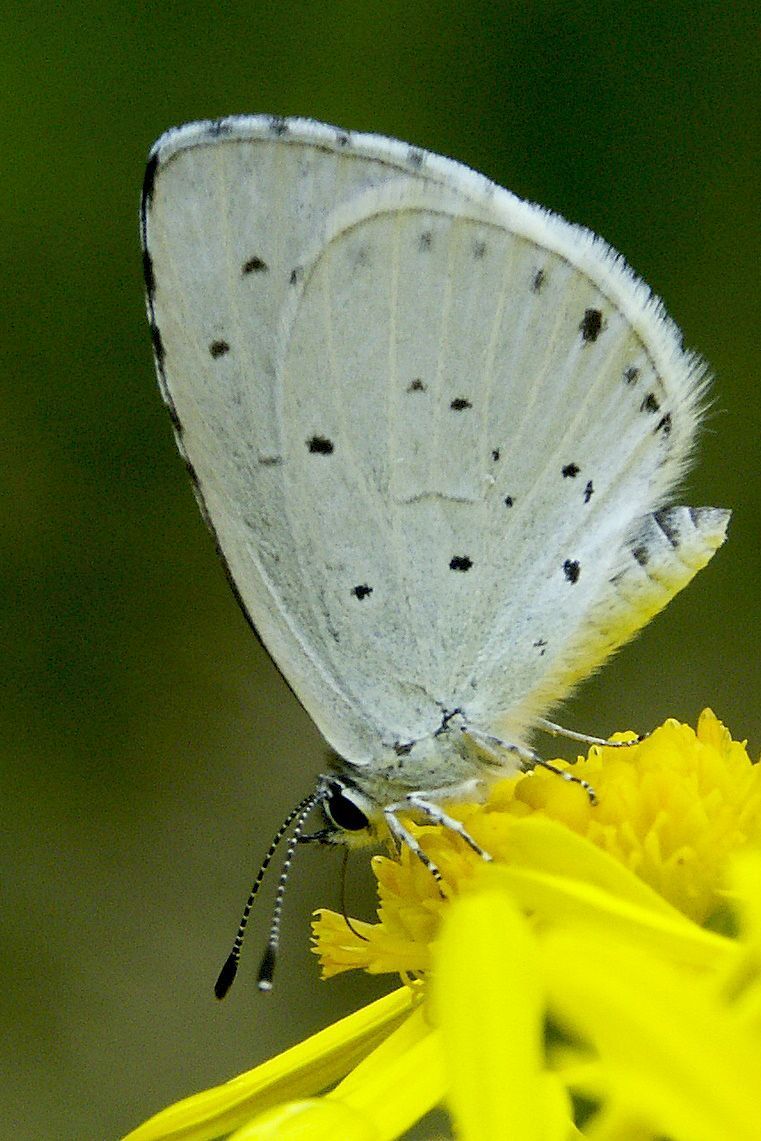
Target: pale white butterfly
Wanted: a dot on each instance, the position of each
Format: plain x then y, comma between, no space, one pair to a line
432,428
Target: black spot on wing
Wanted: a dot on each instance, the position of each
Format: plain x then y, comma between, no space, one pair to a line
650,403
541,646
149,181
460,563
416,385
148,277
479,250
193,475
343,138
664,424
570,471
279,126
495,455
509,501
590,325
640,555
254,264
176,422
219,348
296,275
588,491
663,519
631,375
415,157
538,280
320,445
460,404
572,570
362,591
425,241
158,345
219,127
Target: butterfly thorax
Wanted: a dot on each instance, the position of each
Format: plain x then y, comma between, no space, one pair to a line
451,763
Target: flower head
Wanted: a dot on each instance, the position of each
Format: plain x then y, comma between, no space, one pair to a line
670,809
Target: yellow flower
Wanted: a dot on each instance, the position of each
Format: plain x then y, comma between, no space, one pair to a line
670,809
589,916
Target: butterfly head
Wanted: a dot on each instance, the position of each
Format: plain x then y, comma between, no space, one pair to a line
351,817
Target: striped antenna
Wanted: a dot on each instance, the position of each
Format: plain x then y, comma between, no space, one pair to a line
230,969
269,959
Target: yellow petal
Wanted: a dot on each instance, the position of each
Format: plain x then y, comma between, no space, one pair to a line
314,1119
741,984
562,877
400,1082
557,1110
674,1056
303,1070
488,1000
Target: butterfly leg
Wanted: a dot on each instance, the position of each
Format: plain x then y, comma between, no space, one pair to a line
404,837
437,815
529,758
584,738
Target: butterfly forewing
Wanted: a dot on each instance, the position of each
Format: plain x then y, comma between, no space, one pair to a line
423,417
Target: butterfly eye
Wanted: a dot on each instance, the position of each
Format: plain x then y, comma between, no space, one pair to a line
343,811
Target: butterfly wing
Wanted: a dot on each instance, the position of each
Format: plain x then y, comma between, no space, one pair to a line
425,419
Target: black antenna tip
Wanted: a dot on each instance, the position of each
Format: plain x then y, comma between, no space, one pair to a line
226,976
267,969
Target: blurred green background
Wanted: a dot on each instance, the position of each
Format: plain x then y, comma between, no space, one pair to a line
150,748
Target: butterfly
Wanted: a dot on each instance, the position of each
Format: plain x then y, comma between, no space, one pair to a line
433,430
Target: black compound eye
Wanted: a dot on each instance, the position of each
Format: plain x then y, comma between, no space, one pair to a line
343,812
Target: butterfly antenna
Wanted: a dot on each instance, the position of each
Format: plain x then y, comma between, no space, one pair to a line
269,958
227,975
